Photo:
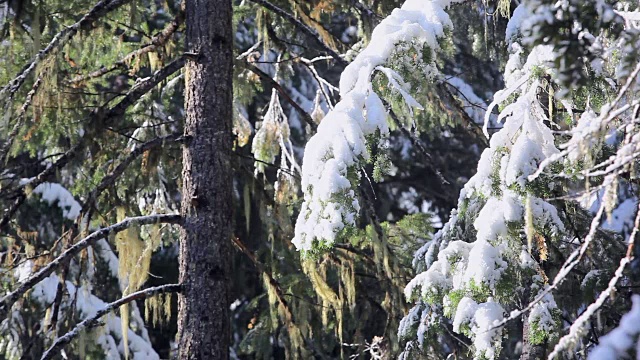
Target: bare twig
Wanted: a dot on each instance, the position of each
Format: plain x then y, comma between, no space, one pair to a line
321,82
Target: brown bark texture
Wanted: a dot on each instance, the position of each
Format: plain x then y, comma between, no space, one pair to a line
203,308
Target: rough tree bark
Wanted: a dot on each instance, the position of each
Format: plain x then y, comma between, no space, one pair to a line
203,310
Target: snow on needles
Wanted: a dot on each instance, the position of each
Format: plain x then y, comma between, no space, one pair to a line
617,343
333,155
500,204
52,193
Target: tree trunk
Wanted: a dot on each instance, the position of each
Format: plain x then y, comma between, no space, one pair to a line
203,310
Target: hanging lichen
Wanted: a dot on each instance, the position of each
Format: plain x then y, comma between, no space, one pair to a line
157,309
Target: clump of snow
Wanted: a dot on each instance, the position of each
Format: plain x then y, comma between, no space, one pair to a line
23,271
541,313
464,313
55,193
87,305
481,318
487,339
619,341
520,14
498,195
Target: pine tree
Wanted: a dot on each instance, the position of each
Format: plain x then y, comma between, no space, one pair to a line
206,191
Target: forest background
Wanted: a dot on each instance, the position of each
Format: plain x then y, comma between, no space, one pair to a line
92,142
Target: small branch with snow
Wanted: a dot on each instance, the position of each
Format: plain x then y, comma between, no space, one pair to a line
93,320
8,300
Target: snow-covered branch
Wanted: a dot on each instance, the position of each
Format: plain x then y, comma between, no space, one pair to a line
89,322
333,156
9,299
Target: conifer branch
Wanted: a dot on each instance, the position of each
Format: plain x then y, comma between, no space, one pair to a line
93,321
415,141
19,121
86,22
116,111
115,173
8,300
144,87
305,115
304,28
157,41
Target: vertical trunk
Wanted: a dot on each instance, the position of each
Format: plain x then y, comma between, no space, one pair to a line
203,319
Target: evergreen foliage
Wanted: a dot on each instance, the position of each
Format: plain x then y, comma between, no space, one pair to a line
411,179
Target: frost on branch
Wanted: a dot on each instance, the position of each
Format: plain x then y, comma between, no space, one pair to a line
486,259
334,156
623,340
